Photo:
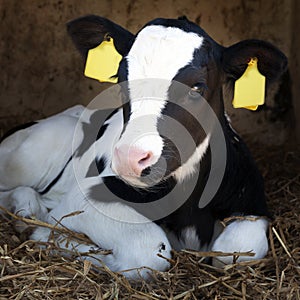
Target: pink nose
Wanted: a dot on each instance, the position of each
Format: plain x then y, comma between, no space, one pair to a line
131,161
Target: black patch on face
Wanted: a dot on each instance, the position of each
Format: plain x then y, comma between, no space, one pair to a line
123,77
178,148
169,160
191,110
126,115
15,129
97,167
205,71
172,155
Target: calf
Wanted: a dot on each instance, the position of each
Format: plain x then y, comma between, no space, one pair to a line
167,155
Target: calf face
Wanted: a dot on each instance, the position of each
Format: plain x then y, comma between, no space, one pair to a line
174,74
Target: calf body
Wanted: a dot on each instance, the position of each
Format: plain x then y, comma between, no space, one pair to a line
128,167
134,244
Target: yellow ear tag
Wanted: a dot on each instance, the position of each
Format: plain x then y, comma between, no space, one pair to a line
249,89
102,62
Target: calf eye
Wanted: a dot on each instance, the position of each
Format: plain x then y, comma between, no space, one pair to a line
197,90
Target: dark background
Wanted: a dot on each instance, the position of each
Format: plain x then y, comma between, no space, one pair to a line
41,72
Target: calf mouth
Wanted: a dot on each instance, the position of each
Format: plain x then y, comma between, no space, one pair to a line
155,174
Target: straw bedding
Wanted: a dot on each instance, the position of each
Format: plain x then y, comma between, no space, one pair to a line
29,272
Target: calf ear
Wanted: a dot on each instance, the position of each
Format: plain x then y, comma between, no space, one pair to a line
271,61
89,31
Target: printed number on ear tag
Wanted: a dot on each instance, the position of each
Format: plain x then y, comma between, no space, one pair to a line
249,89
102,62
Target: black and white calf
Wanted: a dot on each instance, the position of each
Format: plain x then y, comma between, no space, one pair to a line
168,74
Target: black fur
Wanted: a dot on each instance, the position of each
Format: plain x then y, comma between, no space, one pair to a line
89,31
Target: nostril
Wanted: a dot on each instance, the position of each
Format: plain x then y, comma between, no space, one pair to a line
145,159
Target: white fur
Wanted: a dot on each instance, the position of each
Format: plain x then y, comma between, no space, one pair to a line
242,236
27,156
159,52
190,238
189,167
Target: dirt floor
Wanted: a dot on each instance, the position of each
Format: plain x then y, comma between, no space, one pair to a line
27,272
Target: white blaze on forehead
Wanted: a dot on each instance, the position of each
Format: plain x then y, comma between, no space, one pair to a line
159,52
156,56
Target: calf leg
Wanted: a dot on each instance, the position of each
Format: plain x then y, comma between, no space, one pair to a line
242,236
133,244
87,251
24,202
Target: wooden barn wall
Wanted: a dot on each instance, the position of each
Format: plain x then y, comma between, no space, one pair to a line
41,73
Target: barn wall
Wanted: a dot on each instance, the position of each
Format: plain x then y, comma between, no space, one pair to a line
294,67
41,73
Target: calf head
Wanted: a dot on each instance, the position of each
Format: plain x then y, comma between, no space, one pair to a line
174,74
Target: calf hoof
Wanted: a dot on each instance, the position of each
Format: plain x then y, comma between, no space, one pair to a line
137,263
242,236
